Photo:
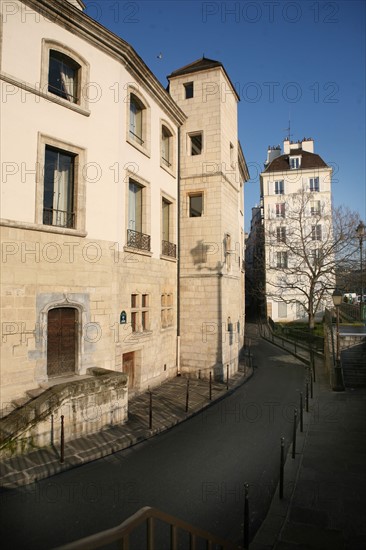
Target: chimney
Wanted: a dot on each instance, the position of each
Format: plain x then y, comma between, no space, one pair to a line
272,153
307,144
286,146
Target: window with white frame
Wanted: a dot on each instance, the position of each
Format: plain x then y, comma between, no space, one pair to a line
280,210
282,259
314,184
279,187
59,188
295,162
316,257
281,234
316,232
315,208
282,310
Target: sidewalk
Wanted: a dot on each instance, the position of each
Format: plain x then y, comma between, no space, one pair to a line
169,409
324,503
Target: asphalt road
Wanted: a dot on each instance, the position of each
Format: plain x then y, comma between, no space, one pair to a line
196,471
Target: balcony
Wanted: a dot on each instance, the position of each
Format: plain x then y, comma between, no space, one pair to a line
168,249
138,240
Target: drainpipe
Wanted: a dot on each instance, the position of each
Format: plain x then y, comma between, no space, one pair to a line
178,257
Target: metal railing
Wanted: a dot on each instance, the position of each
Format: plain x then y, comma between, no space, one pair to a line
135,239
168,249
147,516
59,218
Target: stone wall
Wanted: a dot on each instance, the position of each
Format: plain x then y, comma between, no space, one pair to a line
88,405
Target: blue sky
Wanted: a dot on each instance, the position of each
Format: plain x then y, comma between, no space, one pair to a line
298,60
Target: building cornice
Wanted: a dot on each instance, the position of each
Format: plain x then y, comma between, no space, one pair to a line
75,21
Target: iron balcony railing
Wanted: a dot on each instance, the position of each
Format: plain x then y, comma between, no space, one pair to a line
136,137
168,249
138,240
59,218
166,162
147,516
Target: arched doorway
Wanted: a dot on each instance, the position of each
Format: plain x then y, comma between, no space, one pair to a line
61,341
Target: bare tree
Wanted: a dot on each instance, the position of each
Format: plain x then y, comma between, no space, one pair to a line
305,243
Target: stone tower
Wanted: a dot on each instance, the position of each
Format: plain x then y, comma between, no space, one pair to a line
212,172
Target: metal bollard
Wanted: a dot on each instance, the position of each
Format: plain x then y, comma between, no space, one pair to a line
187,395
282,466
294,435
311,385
150,410
52,430
307,397
313,364
301,414
227,377
62,457
210,387
246,517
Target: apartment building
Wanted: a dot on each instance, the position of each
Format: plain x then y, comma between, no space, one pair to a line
295,189
94,207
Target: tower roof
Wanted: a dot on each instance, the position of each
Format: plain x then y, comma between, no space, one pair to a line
202,64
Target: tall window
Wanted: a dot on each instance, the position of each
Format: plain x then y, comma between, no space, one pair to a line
282,259
166,138
315,208
280,210
63,76
281,234
314,184
58,193
316,232
195,205
136,122
196,144
188,90
282,310
279,187
135,207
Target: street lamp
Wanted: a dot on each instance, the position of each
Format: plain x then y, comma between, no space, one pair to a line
360,230
338,386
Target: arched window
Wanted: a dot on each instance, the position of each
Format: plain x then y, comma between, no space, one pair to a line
64,76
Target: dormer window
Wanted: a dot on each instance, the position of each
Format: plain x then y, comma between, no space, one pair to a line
295,163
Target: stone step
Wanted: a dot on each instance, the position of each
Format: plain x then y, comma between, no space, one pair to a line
34,393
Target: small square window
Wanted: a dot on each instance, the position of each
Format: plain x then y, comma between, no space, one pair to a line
294,163
195,144
188,87
196,205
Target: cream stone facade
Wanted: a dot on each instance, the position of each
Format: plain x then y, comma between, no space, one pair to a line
97,164
212,173
112,279
296,213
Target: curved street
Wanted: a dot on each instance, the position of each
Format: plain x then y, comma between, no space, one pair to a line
195,471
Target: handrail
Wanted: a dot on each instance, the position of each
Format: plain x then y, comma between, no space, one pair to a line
121,533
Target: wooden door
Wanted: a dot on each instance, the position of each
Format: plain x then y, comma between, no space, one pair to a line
128,367
61,341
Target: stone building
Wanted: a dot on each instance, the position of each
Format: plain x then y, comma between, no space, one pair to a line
212,174
96,150
295,189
